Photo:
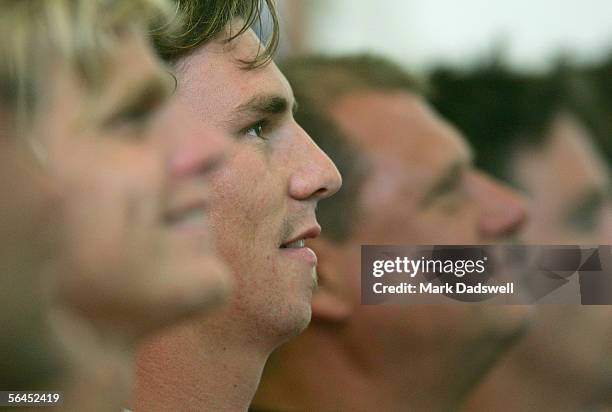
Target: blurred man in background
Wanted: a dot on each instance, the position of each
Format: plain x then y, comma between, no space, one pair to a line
546,135
83,92
408,179
543,134
262,206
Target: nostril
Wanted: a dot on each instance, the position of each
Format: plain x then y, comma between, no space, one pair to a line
317,178
322,193
332,187
332,184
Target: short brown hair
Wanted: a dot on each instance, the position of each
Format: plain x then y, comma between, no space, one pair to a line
320,80
205,19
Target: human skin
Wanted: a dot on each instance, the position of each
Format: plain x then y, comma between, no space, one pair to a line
134,173
420,189
565,362
567,183
135,251
262,209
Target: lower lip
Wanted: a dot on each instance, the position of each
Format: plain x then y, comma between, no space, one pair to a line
304,254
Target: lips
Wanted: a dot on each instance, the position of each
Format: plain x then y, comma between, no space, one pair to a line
295,244
298,241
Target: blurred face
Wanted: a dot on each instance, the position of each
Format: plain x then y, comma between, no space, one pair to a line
567,183
422,189
264,199
134,171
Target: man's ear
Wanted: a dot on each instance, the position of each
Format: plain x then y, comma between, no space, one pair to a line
330,301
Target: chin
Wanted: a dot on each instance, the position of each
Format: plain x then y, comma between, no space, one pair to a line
294,317
278,307
298,310
297,323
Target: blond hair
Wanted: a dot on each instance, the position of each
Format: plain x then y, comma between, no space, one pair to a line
36,33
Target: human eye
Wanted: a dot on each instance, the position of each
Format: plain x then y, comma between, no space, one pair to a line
452,199
132,121
257,129
137,115
137,112
449,194
584,216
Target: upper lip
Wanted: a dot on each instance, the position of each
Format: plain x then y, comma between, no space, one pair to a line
309,233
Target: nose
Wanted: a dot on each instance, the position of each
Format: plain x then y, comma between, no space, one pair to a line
196,148
315,176
502,211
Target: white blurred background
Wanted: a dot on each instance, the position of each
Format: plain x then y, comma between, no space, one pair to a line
420,33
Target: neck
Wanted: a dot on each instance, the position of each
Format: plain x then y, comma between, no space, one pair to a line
98,372
198,367
306,373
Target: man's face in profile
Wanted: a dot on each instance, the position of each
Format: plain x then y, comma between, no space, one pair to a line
567,184
264,199
137,252
421,189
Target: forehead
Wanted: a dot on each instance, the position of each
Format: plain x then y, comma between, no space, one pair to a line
131,65
567,156
400,127
215,80
128,68
570,151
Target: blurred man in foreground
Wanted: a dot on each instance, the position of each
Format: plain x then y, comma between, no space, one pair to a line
263,210
84,93
408,179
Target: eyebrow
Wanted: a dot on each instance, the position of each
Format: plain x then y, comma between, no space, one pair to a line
149,93
447,181
582,211
265,104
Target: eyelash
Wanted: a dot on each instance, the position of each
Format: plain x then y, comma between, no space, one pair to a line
452,197
258,128
584,218
135,118
137,115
